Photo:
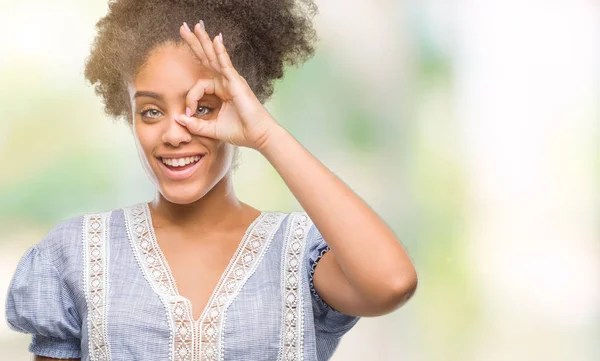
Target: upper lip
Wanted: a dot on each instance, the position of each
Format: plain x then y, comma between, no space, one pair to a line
180,155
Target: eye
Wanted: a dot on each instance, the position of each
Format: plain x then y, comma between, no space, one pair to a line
151,113
203,110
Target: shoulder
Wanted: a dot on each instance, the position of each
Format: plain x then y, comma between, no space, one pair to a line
64,240
296,217
297,228
290,222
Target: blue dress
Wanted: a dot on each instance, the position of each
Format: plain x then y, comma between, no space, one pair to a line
98,287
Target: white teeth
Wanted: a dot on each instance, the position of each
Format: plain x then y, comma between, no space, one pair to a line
180,162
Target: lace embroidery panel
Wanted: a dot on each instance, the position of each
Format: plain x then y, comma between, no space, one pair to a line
154,268
292,347
201,339
95,279
254,245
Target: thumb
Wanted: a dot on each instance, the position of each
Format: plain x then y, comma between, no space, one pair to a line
201,127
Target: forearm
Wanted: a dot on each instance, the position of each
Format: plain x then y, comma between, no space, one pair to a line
370,255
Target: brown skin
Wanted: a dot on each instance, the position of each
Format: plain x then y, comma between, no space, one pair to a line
208,195
158,134
366,273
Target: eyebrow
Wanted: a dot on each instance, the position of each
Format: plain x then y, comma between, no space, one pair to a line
145,93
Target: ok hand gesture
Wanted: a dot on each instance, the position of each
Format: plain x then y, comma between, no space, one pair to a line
242,119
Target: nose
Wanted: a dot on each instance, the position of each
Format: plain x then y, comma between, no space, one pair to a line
175,134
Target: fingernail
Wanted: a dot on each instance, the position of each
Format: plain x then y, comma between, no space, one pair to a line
185,25
221,37
201,24
188,112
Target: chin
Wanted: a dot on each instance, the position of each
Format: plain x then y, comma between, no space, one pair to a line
184,194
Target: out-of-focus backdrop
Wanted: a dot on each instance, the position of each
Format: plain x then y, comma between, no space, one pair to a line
470,126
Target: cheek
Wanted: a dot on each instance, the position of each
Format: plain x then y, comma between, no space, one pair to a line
222,156
225,153
144,139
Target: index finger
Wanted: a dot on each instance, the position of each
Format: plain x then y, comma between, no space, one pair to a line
196,92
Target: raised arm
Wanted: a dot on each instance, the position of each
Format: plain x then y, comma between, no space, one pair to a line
367,272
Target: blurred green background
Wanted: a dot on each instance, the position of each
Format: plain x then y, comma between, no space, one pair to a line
471,127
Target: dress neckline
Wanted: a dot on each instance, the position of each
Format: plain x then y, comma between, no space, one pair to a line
203,338
224,274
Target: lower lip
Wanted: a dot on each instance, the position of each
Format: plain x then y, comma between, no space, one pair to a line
180,174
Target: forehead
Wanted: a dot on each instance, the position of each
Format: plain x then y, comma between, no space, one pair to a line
170,69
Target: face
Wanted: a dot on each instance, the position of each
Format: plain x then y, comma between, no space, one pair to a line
157,95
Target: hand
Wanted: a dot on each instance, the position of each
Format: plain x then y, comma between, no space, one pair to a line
242,119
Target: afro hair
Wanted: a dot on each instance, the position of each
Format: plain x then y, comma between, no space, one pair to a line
262,37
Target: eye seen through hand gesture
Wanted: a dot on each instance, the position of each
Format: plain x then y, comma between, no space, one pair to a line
242,119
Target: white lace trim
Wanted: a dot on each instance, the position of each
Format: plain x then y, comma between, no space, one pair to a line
201,339
95,282
154,268
245,261
292,340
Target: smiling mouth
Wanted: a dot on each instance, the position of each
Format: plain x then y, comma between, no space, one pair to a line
181,168
181,163
174,166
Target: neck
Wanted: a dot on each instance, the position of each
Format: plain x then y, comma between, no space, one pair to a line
216,208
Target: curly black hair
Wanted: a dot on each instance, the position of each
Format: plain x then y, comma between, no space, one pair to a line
261,36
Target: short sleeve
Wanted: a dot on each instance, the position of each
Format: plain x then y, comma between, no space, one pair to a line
327,319
39,303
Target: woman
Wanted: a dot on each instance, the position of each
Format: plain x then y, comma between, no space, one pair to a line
196,274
